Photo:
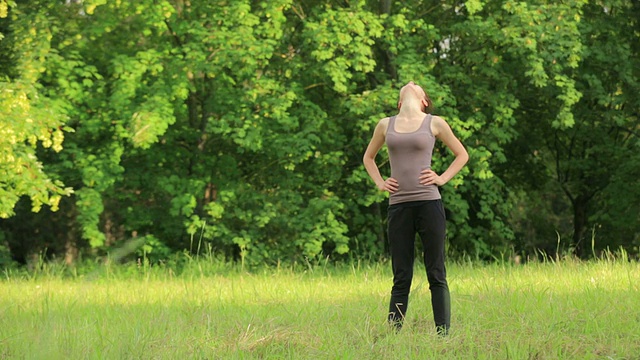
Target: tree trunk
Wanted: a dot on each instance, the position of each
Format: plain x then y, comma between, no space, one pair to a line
388,58
71,236
579,224
385,6
71,250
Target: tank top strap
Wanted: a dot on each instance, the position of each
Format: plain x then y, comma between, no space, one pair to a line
392,124
426,123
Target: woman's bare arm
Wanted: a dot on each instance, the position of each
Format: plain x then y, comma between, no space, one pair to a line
443,131
369,159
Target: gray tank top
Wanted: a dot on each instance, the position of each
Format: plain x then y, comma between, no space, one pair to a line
409,154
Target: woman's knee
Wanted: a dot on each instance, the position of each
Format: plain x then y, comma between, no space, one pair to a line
437,278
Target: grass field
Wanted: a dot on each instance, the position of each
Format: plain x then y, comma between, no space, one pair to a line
565,310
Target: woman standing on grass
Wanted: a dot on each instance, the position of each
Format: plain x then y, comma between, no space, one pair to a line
415,205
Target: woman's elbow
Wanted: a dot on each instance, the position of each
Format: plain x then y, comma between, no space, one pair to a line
463,156
367,158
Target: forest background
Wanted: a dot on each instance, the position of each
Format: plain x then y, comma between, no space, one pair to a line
238,127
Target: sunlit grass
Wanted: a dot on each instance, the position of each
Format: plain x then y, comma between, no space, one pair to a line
566,310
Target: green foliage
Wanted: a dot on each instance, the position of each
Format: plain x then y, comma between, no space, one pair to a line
242,124
581,159
28,119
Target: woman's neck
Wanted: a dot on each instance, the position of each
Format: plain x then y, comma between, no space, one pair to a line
411,109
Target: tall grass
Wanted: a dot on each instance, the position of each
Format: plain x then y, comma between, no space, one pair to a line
214,310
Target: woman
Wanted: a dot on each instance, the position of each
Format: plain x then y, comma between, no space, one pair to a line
415,205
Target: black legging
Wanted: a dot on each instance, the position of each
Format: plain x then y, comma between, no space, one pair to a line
426,218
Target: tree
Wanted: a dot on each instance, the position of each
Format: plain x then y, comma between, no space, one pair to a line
239,127
28,119
587,156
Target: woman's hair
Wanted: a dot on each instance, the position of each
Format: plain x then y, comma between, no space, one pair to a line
429,109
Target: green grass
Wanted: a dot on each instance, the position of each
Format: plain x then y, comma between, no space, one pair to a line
566,310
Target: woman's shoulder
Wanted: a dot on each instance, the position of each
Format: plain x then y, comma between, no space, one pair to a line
438,124
437,119
383,124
